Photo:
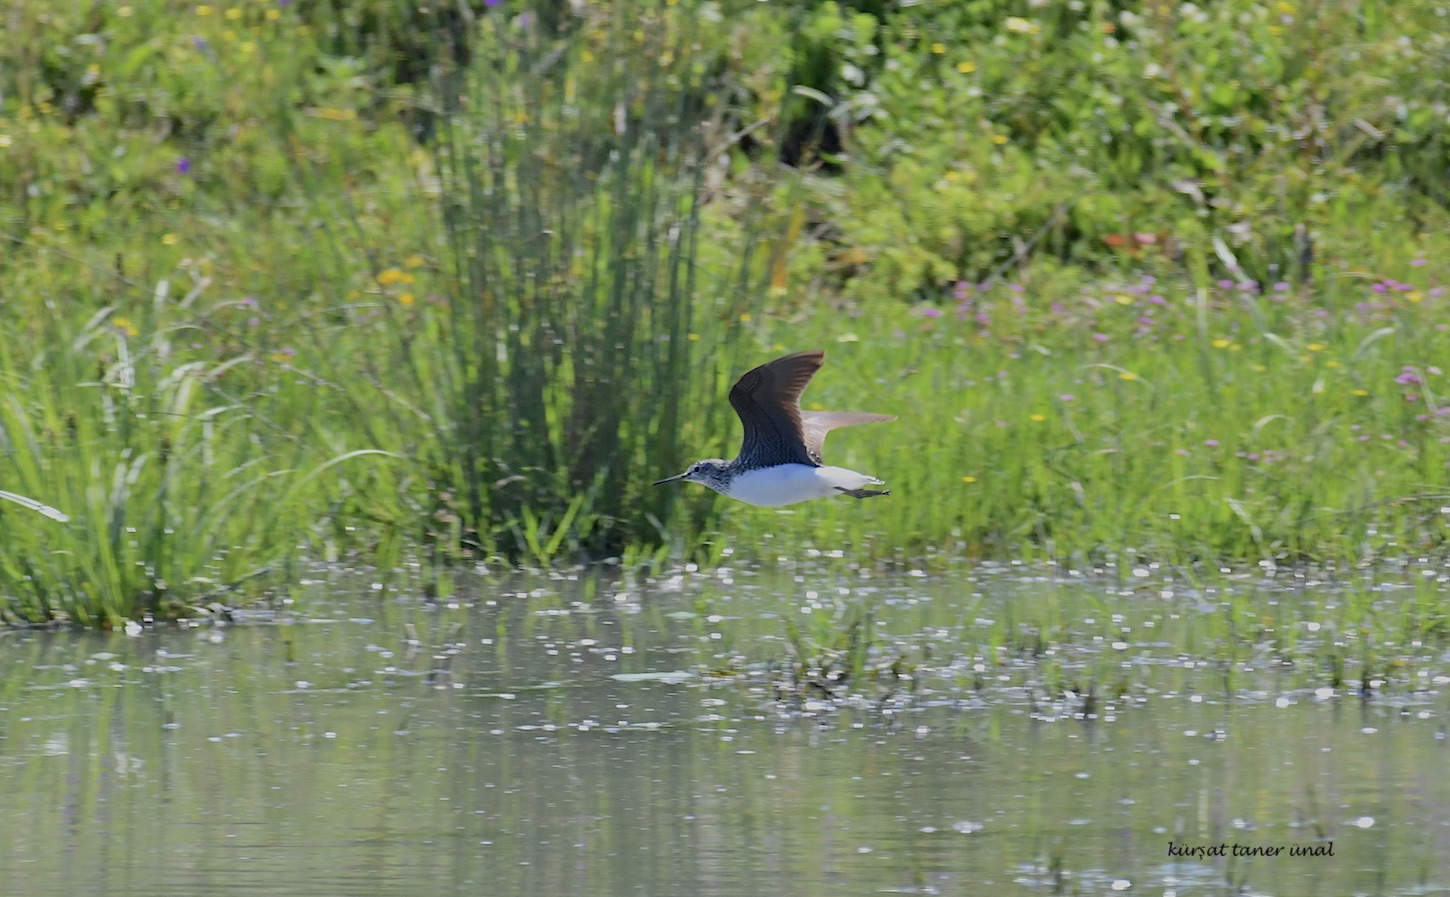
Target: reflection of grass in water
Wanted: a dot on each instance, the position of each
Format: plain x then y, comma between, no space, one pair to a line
1078,648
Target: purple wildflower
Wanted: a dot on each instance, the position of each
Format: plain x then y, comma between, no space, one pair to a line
183,165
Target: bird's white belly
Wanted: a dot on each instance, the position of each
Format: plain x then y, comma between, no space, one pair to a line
786,484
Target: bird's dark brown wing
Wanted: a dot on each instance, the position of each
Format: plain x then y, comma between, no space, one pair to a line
816,424
767,399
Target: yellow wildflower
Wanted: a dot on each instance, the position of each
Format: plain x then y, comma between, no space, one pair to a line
1361,392
406,299
390,276
1315,347
125,326
966,68
1415,296
1039,418
969,479
1128,375
168,239
1220,343
938,48
414,261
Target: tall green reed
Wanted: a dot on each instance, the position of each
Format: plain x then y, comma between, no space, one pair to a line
570,331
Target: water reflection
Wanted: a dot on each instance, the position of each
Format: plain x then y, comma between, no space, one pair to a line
384,748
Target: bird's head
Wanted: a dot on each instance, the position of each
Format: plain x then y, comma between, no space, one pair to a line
710,472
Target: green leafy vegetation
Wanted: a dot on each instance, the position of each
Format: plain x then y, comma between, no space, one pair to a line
372,282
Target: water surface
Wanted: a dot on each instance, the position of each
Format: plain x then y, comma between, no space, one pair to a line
529,740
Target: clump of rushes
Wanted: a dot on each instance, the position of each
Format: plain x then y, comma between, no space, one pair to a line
542,367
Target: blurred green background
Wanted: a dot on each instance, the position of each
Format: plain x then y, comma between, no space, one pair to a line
397,284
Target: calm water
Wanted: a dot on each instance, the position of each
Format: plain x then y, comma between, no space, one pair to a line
377,746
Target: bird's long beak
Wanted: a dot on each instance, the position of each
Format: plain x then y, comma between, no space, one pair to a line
668,479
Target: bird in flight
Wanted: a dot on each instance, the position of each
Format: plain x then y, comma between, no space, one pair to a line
780,456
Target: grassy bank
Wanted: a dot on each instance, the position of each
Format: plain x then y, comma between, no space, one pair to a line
1138,419
360,283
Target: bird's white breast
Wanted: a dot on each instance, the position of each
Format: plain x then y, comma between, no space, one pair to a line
786,484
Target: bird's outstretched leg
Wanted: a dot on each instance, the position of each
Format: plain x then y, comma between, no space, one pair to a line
863,493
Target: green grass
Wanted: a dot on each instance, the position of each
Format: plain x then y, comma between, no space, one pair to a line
287,283
1135,421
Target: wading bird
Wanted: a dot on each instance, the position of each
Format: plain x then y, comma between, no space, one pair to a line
780,457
